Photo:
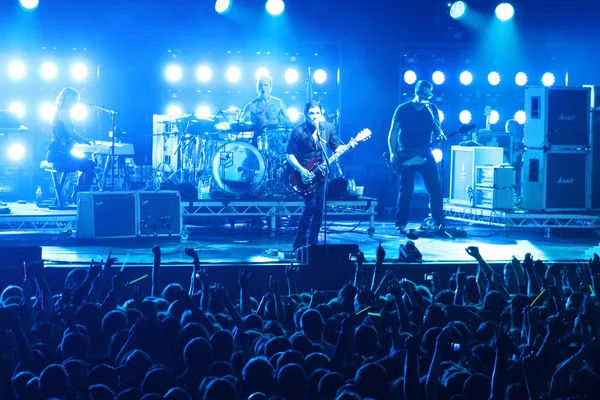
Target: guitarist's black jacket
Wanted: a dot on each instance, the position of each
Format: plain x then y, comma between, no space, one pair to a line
302,145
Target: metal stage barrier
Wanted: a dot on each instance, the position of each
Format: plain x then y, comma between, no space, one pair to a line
28,217
521,219
361,207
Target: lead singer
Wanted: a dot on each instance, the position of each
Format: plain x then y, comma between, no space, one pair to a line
308,141
411,132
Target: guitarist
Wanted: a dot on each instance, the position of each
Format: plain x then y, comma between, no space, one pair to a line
411,133
307,142
64,137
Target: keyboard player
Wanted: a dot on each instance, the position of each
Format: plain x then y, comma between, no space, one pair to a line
64,138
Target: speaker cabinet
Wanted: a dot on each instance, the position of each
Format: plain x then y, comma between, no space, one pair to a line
556,181
160,213
107,215
557,117
463,162
14,256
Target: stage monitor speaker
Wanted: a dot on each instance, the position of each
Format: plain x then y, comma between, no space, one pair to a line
107,215
330,254
160,213
14,256
557,117
556,181
595,147
463,162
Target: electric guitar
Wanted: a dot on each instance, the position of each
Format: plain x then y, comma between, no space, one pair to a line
407,158
319,168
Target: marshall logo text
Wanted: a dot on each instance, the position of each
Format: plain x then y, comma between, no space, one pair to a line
566,117
565,181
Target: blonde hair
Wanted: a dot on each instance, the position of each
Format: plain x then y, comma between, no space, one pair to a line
61,100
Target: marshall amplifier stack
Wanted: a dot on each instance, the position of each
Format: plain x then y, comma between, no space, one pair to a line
557,162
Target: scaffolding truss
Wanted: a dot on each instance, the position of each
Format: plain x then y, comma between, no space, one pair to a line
42,223
518,219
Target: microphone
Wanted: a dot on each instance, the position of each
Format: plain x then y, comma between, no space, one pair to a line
100,108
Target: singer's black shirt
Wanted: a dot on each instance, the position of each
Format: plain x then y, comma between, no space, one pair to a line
416,126
302,145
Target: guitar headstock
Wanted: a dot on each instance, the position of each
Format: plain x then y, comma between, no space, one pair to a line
487,111
363,135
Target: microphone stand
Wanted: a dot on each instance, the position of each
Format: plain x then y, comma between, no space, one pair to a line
112,114
442,143
326,183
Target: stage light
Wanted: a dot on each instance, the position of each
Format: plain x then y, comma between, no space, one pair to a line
173,73
438,77
223,6
261,72
410,77
291,75
466,78
233,109
320,76
521,78
77,153
548,79
79,112
234,74
505,11
47,111
464,117
29,4
494,117
494,78
203,112
437,154
441,115
49,70
458,10
79,72
204,73
294,114
16,152
275,7
16,70
17,108
520,116
174,111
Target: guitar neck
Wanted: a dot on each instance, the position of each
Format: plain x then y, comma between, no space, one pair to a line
334,157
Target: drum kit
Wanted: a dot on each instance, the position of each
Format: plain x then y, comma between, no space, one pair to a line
226,159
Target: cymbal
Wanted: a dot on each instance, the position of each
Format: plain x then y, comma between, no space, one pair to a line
223,126
242,126
278,126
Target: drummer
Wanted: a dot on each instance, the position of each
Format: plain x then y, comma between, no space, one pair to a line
265,111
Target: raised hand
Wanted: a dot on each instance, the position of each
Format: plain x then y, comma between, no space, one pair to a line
221,293
380,254
473,251
528,262
594,264
110,261
203,276
156,250
244,278
191,253
291,272
274,284
461,279
94,270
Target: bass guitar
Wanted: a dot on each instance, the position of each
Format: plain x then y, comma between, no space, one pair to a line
319,168
407,158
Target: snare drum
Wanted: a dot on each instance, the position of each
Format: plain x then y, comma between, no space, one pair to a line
238,168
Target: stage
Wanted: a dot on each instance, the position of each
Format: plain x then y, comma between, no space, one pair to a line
255,233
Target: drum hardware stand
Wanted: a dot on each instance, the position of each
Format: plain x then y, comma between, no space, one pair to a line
113,135
326,183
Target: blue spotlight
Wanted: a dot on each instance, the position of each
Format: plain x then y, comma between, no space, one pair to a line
494,78
410,77
494,117
505,11
441,115
466,78
233,74
29,4
291,75
204,73
294,114
458,10
275,7
521,78
548,79
464,117
438,77
223,6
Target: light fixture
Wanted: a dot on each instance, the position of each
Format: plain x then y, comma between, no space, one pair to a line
79,72
275,7
173,73
466,78
505,12
410,77
291,75
521,78
233,74
204,73
320,76
223,6
458,10
29,4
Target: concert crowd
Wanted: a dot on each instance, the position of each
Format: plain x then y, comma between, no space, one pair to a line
527,332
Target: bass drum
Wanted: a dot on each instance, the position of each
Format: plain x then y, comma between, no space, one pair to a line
238,168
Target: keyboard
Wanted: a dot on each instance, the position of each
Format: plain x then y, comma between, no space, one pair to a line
105,147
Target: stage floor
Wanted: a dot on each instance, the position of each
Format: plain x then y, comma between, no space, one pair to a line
250,242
